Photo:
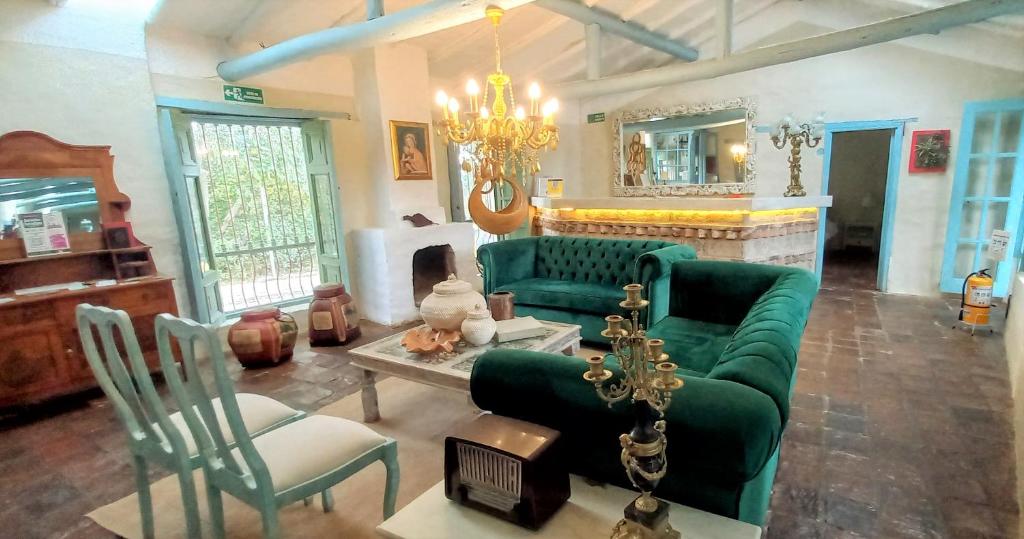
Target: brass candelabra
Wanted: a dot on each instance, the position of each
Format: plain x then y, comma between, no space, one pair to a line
803,134
649,378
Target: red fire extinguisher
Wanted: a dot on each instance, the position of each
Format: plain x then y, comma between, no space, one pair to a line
976,298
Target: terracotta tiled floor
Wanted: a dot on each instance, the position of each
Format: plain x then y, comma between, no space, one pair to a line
900,427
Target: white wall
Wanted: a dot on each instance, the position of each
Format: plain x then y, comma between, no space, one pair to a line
88,73
1014,339
880,82
79,74
392,83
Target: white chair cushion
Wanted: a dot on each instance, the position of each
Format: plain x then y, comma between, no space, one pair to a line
310,447
258,414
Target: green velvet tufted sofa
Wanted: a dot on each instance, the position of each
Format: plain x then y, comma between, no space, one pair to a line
577,280
734,329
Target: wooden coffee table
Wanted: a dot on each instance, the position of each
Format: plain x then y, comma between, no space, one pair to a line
591,512
450,371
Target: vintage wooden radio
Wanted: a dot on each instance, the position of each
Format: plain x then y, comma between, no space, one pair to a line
508,468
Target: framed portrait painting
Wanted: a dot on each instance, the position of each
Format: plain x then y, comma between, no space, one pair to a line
929,151
410,150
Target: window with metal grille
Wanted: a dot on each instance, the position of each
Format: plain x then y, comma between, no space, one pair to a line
256,211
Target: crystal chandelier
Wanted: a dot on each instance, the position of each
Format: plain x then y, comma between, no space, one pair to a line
504,134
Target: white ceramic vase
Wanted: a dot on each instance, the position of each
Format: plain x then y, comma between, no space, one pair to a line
478,328
446,308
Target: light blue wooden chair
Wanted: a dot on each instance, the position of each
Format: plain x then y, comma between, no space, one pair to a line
154,435
291,463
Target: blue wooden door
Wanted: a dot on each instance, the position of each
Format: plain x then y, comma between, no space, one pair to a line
988,191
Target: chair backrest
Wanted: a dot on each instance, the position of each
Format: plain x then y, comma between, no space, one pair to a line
591,260
130,390
195,401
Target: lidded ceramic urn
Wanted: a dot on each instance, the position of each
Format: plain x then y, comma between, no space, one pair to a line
447,306
263,337
478,328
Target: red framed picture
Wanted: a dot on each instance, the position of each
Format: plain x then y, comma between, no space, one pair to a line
929,151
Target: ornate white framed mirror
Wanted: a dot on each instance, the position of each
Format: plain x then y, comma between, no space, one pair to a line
685,150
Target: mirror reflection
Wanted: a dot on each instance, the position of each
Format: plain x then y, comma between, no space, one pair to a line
708,148
73,197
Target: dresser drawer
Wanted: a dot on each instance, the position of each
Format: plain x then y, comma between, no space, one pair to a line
31,362
25,314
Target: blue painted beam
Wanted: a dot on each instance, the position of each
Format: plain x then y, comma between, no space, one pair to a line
416,21
612,24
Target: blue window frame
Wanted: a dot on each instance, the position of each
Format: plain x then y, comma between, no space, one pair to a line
988,190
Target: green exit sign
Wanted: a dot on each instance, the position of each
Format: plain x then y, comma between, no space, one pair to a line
595,118
243,94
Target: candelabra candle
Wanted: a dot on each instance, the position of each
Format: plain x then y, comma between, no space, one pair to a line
614,325
643,448
597,371
656,348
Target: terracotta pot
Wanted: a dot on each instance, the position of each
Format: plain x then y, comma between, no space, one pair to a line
333,318
502,305
263,337
447,306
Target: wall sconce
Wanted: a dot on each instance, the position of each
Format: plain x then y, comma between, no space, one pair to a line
807,134
739,158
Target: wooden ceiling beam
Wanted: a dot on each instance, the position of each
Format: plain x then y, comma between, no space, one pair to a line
423,19
612,24
925,22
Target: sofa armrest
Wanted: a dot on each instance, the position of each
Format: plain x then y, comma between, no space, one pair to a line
764,348
654,271
507,261
722,430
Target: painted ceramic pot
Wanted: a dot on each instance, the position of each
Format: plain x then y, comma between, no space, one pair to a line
447,306
333,318
478,328
263,337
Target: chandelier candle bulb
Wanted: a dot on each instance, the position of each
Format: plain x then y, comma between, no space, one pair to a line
534,93
473,90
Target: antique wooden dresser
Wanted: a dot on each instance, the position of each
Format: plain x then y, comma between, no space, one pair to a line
40,352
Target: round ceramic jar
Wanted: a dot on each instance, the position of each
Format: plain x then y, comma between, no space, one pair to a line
478,328
446,308
263,337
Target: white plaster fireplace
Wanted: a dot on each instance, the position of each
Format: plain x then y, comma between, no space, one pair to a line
384,266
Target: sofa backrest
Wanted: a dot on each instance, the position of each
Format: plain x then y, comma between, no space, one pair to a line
590,260
763,351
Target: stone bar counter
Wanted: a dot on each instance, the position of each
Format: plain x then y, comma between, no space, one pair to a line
766,230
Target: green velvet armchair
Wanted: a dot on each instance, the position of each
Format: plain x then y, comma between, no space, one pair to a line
735,331
577,280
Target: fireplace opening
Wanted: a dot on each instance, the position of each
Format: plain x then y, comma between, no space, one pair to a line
431,265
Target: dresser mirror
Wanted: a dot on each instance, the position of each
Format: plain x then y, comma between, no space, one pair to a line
73,196
685,150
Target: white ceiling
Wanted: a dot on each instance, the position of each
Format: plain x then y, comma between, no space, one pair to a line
539,44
